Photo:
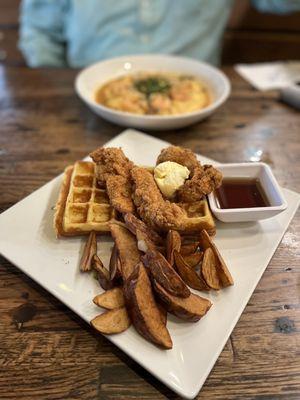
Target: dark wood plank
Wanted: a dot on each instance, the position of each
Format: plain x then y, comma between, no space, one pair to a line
55,355
258,46
9,13
9,52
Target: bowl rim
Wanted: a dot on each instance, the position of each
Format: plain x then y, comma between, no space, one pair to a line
250,210
214,105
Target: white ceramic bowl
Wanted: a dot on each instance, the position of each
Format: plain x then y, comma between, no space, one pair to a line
89,79
264,174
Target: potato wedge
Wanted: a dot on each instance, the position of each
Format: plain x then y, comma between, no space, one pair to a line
133,223
115,265
209,270
192,260
143,242
173,243
188,274
191,308
143,310
90,249
163,313
103,273
112,321
223,272
127,248
111,299
162,271
189,239
189,248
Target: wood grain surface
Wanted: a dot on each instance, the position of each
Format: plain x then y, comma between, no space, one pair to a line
46,351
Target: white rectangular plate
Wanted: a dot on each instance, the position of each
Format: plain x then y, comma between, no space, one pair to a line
27,239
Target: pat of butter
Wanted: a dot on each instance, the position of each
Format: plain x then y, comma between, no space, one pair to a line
169,176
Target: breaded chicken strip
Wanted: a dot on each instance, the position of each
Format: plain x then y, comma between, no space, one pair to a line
203,179
179,155
110,161
206,179
159,214
113,171
119,190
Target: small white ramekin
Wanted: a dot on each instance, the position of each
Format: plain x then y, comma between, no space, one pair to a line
264,174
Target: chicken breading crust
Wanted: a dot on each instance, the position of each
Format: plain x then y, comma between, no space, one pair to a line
159,214
206,179
179,155
113,171
119,190
203,179
110,161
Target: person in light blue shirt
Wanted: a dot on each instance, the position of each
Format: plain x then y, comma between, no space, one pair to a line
76,33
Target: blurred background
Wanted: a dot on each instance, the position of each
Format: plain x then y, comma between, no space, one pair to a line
250,36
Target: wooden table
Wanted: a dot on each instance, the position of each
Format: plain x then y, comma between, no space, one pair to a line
55,355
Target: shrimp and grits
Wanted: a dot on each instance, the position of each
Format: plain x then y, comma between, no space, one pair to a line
147,93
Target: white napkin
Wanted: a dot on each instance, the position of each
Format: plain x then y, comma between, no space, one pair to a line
273,75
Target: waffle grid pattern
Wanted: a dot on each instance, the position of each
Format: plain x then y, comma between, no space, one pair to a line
87,205
198,216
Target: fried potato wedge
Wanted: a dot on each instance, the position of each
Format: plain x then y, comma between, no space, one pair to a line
188,274
112,321
223,272
189,239
90,249
127,248
115,265
209,270
162,271
191,308
111,299
143,310
133,224
163,313
173,243
143,242
189,248
192,260
102,273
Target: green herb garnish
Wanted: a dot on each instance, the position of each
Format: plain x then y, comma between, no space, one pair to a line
152,85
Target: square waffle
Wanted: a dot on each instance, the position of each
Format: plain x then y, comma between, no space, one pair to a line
82,206
198,217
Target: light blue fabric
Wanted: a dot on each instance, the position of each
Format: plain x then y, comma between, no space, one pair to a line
277,6
79,32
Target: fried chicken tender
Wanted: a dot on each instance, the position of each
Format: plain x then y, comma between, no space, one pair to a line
179,155
119,190
110,161
205,179
159,214
113,171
